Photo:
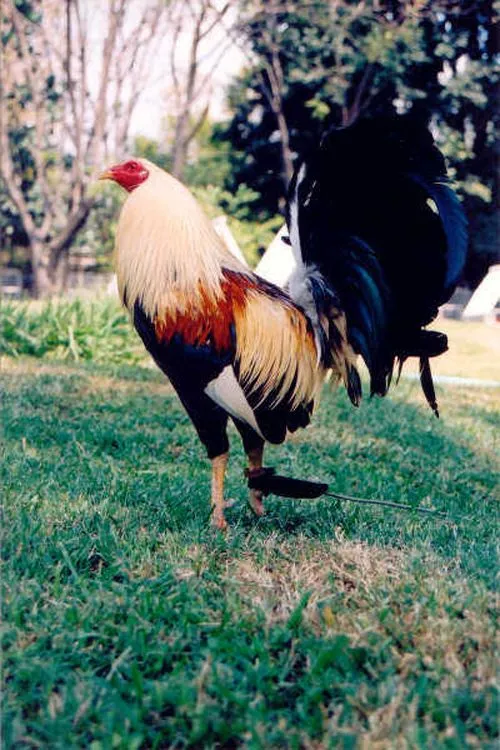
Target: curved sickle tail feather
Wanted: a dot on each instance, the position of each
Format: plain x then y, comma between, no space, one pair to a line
380,240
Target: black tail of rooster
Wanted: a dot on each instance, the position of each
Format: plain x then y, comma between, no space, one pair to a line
371,210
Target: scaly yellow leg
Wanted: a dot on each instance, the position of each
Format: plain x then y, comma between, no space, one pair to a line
219,464
255,463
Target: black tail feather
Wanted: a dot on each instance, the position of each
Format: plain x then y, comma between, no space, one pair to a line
428,384
354,389
372,211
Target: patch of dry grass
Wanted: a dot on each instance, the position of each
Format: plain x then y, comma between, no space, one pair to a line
88,379
276,579
420,608
474,350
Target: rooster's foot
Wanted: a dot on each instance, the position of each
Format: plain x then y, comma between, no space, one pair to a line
255,502
217,499
219,522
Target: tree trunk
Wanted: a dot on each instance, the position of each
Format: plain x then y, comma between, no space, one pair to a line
179,146
50,261
41,286
50,274
286,153
185,132
59,272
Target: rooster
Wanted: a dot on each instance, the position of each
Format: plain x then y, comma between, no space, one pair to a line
379,240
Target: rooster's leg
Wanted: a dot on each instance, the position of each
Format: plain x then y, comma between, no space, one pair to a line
254,464
254,449
219,464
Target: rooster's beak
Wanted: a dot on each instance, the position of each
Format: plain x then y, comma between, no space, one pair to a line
107,175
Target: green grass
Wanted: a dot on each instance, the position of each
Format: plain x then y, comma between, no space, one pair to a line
129,623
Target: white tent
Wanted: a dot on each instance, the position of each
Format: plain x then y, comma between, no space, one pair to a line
486,297
277,263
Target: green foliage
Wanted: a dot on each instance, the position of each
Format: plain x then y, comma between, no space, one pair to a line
338,60
77,330
147,148
128,623
208,160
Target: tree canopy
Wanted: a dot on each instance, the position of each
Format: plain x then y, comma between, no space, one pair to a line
322,64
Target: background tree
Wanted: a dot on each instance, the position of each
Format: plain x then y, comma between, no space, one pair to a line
462,101
326,63
312,65
65,112
196,48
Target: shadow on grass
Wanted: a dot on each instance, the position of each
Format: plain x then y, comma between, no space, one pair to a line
80,447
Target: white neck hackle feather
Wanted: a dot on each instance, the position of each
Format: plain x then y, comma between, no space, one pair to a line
166,249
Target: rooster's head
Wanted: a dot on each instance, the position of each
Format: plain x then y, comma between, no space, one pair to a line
129,174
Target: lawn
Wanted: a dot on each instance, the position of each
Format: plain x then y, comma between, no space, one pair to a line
129,623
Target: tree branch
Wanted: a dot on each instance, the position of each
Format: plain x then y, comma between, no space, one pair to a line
64,239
